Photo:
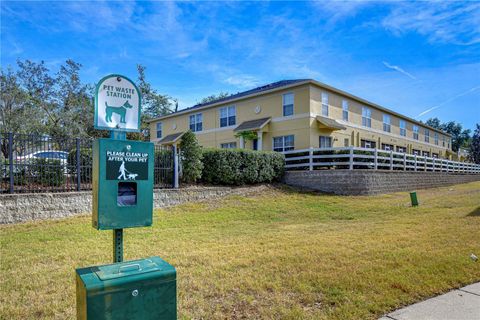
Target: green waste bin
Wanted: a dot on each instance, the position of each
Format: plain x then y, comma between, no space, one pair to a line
138,289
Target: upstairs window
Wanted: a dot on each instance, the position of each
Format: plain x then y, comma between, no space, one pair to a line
345,110
366,117
325,142
448,143
415,132
403,128
443,141
227,116
435,137
283,143
159,130
427,135
196,122
324,104
288,104
386,123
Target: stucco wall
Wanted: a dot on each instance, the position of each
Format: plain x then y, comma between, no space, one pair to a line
364,182
16,208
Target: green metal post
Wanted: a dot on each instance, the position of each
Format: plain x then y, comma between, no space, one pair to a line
118,233
117,245
413,199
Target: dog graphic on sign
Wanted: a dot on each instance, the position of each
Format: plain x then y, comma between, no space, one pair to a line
121,111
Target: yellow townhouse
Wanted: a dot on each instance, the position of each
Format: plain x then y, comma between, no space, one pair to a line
299,114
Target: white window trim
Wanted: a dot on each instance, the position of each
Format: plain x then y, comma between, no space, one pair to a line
347,110
161,130
220,116
283,104
283,142
325,104
195,121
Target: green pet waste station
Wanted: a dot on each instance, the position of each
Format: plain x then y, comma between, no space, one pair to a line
123,198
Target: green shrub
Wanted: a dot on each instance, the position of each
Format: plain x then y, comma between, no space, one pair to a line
191,155
86,161
238,166
48,172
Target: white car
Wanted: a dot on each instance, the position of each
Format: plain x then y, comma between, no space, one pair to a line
50,155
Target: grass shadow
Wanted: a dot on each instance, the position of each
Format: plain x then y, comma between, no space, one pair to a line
474,213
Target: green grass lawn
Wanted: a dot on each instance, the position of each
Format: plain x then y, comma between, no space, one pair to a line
279,254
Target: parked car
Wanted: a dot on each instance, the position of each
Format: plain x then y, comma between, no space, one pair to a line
48,155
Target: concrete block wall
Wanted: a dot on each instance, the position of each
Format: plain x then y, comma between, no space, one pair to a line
15,208
365,182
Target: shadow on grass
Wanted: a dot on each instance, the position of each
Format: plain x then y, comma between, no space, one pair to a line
474,213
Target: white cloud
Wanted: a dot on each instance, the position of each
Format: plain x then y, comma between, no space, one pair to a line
397,68
447,22
242,81
448,101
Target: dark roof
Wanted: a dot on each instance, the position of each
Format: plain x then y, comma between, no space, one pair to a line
171,138
266,87
252,124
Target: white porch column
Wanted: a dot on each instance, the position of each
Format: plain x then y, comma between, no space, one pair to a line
242,143
260,140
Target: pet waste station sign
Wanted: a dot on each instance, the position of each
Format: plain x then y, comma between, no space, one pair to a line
117,104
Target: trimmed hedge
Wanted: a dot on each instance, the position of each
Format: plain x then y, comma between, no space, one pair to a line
48,172
239,166
86,161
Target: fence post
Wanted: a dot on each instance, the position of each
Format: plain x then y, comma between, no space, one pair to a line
433,165
310,160
351,158
391,159
78,163
415,162
424,163
375,160
10,160
404,161
175,167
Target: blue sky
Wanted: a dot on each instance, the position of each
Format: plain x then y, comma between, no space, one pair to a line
421,59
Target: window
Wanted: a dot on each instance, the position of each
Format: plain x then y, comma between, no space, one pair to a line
415,132
448,143
346,142
366,117
387,147
228,145
368,144
386,123
435,136
426,154
427,135
196,122
325,104
400,149
288,104
443,141
416,152
345,110
403,129
159,130
284,143
325,142
435,155
227,116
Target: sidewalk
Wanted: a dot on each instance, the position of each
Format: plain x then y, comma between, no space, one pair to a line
461,304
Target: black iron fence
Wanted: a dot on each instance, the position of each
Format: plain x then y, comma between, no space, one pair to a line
36,163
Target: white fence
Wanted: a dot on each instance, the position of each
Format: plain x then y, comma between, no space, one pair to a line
363,158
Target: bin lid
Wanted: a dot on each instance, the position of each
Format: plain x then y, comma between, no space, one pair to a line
130,268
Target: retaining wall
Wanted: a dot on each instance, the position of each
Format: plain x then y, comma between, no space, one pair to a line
16,208
365,182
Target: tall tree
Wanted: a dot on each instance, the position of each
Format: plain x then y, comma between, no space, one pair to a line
214,97
460,136
475,145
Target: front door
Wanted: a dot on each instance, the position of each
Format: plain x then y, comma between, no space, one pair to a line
255,144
